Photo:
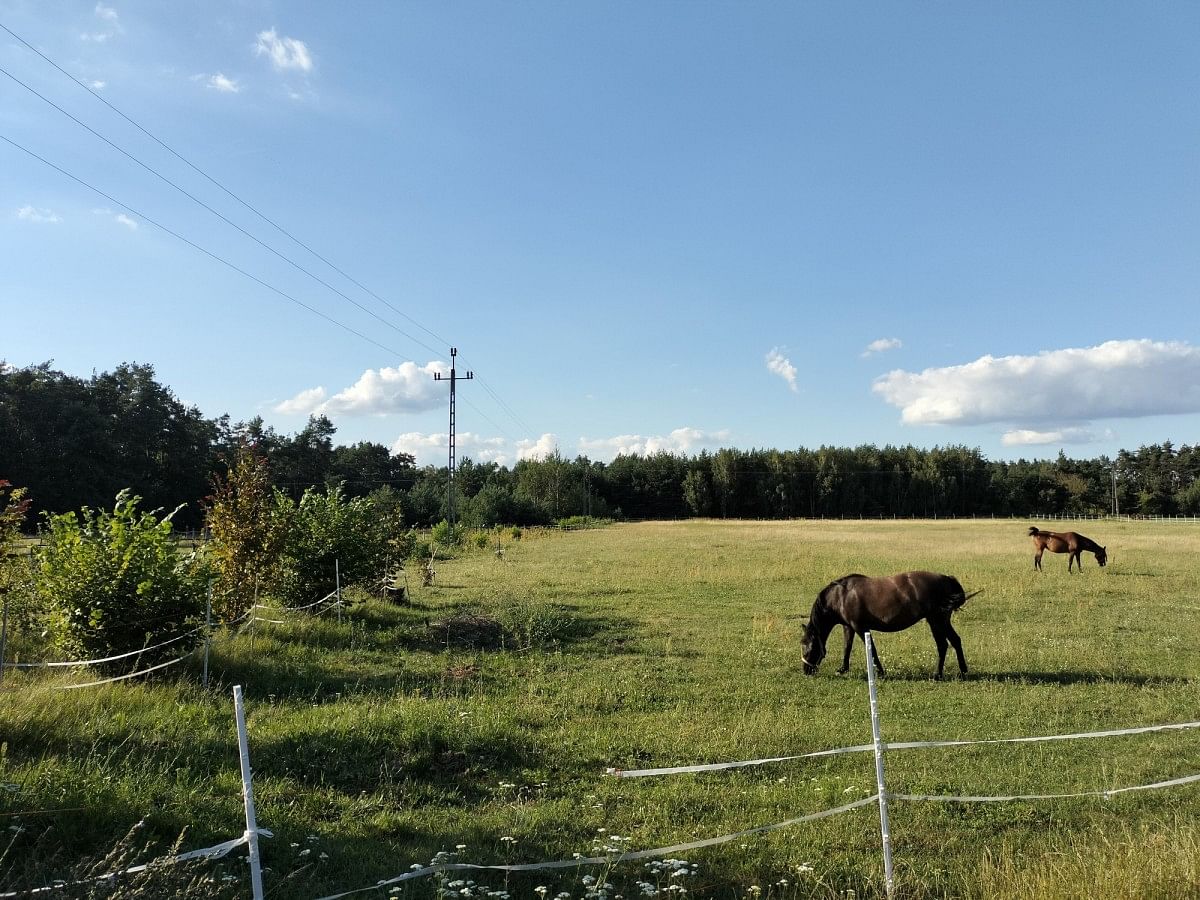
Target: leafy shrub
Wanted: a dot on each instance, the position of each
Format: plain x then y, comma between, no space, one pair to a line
571,522
515,533
480,539
446,535
15,582
404,546
248,524
327,529
114,582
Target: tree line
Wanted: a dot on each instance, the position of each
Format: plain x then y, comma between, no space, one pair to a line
74,442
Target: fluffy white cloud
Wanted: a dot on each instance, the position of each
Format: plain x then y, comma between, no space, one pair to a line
681,440
781,366
1116,379
1023,437
405,388
106,13
38,216
432,449
285,53
220,82
880,345
125,220
539,449
98,85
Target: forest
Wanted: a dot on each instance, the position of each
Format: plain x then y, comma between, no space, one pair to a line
74,442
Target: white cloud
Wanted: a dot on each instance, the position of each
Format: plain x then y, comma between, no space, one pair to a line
781,366
405,388
1116,379
1023,437
38,216
285,53
97,85
680,441
110,25
544,446
878,346
223,84
303,403
432,449
129,223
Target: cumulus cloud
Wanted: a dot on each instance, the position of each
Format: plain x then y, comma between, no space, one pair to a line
781,366
432,449
405,388
544,446
219,82
681,441
125,220
98,85
880,345
38,216
1116,379
284,52
1025,437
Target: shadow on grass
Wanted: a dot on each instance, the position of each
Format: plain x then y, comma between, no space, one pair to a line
1026,677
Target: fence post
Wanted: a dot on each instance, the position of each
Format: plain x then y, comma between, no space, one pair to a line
207,630
879,784
3,634
337,581
248,795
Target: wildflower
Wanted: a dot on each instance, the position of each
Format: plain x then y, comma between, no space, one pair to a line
323,856
293,845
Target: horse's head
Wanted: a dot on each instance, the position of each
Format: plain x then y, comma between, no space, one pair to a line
1102,557
813,648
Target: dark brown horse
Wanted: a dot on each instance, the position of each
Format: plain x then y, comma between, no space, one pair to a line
1065,542
893,603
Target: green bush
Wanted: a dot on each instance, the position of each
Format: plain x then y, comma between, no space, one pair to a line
446,535
114,582
480,539
327,529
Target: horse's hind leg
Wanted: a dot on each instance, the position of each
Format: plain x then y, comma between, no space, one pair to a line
875,656
848,633
938,629
1073,558
956,643
1037,561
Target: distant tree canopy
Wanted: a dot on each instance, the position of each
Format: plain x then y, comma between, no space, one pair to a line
78,441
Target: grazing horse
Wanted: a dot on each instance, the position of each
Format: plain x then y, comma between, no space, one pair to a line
892,603
1065,542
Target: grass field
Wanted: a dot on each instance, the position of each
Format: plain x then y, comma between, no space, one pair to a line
375,746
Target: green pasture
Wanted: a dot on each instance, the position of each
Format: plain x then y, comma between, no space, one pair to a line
381,741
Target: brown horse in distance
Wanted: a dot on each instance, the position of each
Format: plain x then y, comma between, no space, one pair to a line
1065,542
860,604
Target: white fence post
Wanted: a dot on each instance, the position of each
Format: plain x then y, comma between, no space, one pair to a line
248,794
337,580
207,630
879,784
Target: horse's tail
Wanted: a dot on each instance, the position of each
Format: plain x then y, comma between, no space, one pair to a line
958,601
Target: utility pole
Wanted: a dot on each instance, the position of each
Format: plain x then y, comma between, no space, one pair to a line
453,379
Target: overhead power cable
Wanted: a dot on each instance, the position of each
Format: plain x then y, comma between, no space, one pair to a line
504,406
222,187
219,215
195,246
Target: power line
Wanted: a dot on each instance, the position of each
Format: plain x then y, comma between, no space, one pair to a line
219,215
504,406
196,246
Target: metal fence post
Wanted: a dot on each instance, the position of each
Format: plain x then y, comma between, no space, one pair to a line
207,630
337,580
248,794
879,783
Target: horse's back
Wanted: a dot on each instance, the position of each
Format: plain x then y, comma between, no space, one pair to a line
896,602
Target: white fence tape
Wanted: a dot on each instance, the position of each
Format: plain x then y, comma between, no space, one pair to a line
80,663
172,662
214,852
954,798
898,745
607,860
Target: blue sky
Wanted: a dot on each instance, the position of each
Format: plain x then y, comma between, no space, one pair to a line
644,225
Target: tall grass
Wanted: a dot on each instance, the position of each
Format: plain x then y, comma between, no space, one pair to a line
379,743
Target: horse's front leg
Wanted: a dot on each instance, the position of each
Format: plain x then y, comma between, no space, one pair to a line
1037,562
848,634
1072,558
875,656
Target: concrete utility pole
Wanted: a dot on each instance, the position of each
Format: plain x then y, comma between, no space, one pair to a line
453,379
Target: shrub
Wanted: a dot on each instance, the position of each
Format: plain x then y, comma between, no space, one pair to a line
325,529
446,535
247,521
114,582
481,540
